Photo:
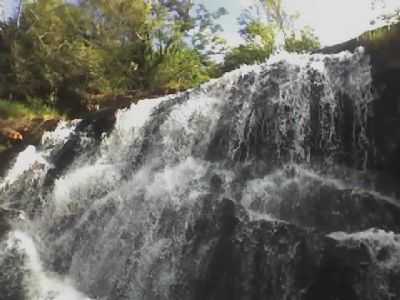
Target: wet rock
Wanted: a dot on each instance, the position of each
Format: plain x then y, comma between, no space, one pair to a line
12,261
149,237
7,217
99,123
337,275
30,134
12,275
328,209
383,47
244,259
94,126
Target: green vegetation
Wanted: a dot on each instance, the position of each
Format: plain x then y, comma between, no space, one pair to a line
304,41
19,120
76,55
261,32
12,110
259,45
66,52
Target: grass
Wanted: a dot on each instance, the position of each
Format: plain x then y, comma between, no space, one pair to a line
12,110
24,118
16,116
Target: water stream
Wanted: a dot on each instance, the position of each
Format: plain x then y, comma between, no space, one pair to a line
143,212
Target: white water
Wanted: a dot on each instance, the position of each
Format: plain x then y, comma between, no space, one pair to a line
115,219
377,241
38,161
38,284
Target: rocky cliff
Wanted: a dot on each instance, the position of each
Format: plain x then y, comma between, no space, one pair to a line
277,181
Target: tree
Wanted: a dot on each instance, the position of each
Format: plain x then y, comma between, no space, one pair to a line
260,27
149,36
50,52
64,51
204,35
302,42
120,33
180,71
279,17
184,30
259,45
7,74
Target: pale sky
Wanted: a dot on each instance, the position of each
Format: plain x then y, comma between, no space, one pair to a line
9,6
334,21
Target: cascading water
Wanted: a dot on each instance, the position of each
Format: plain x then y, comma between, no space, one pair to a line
253,186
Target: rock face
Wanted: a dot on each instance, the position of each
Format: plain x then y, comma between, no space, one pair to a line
7,217
16,139
383,47
97,123
274,260
277,181
11,262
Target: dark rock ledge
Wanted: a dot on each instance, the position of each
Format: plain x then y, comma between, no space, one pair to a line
383,47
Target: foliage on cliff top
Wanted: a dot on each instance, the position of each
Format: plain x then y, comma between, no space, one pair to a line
60,51
266,30
13,110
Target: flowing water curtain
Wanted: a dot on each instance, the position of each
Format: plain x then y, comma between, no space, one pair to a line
190,195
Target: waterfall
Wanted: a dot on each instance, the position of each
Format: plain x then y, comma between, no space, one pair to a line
248,187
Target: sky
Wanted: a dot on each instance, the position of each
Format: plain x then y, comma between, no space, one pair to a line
334,21
9,6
